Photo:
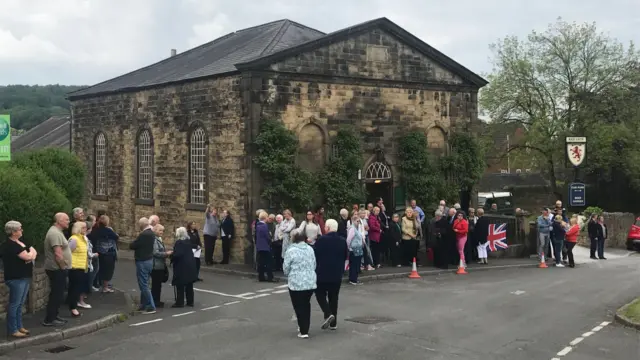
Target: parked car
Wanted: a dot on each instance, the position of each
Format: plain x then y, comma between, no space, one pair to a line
502,199
633,238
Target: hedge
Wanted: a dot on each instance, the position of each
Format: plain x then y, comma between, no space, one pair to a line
65,169
32,198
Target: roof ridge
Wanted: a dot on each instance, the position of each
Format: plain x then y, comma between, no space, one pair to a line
278,35
307,27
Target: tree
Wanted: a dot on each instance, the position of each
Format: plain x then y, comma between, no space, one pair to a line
31,105
421,178
338,181
65,169
543,83
285,184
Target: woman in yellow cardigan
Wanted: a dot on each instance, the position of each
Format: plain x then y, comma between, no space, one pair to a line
78,274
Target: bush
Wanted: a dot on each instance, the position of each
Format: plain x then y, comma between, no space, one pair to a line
592,210
30,197
65,169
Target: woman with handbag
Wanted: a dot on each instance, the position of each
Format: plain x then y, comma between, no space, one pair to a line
160,272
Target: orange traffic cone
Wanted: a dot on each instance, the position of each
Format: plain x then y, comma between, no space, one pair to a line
543,264
414,271
461,270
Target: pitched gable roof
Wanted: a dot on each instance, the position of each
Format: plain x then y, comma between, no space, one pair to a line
53,132
381,23
213,58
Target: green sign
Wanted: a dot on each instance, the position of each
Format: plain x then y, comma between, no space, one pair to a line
5,138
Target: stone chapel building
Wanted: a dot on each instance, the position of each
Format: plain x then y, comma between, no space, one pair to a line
174,136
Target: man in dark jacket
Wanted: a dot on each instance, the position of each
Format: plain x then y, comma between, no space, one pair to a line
480,235
593,228
331,253
143,254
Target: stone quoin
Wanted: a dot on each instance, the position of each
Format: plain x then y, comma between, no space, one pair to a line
170,138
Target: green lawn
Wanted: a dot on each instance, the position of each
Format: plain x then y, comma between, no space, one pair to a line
633,311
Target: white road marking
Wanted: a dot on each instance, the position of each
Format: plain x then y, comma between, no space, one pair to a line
183,314
257,296
576,341
565,351
146,322
217,293
281,286
518,292
245,294
232,303
264,290
210,308
280,291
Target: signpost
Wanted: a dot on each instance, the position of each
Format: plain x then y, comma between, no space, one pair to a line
5,138
577,193
576,147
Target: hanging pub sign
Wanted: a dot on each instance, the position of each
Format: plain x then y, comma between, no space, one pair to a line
576,149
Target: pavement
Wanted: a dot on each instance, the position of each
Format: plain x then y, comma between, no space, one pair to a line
509,313
107,309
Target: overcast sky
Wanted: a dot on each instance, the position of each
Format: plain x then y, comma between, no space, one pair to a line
88,41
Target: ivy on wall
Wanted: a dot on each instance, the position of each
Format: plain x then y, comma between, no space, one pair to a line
285,184
421,178
338,181
465,164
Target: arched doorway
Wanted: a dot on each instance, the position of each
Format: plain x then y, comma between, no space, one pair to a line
379,181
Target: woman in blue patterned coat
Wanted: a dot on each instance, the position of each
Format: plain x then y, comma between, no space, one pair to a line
300,268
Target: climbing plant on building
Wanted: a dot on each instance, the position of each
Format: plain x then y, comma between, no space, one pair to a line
419,176
284,184
338,181
465,162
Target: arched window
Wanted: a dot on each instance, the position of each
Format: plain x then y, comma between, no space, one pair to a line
198,150
100,165
145,165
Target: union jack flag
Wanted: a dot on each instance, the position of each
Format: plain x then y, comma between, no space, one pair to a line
497,237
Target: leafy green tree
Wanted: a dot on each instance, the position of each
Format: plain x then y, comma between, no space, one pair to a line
421,178
65,169
338,181
542,83
30,197
285,184
31,105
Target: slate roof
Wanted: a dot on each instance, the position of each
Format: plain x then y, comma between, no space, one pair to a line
54,132
213,58
255,47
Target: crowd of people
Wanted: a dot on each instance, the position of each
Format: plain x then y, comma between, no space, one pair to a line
80,256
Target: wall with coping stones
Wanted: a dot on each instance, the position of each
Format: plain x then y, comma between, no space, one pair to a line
618,225
38,293
170,113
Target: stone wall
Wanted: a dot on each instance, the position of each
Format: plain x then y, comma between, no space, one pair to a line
38,293
618,225
170,113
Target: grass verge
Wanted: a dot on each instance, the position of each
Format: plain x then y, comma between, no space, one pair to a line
632,312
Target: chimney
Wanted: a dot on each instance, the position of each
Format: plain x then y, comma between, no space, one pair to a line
173,52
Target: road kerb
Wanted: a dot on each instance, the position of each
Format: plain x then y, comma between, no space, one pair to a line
63,334
621,319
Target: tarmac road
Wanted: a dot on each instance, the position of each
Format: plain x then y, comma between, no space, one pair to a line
510,314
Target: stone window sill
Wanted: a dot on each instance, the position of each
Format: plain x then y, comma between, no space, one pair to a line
196,207
100,197
148,202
